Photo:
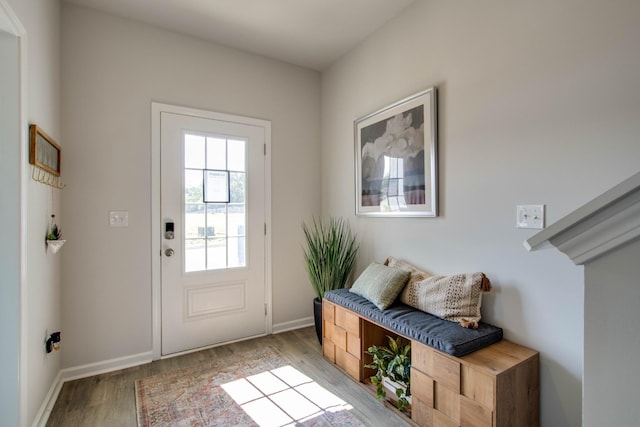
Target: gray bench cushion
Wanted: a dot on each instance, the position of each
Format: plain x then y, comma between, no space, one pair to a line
443,335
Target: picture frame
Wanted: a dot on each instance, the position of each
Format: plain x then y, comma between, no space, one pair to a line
43,151
216,186
396,159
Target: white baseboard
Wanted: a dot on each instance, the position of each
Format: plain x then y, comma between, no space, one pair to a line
47,405
294,324
92,369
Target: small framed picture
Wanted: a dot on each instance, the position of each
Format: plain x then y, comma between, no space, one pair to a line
216,186
43,151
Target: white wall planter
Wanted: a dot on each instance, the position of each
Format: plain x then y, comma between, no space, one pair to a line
55,245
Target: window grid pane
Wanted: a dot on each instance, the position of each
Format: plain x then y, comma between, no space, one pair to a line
236,155
194,151
216,153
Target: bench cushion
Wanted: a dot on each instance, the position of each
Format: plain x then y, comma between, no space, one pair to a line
443,335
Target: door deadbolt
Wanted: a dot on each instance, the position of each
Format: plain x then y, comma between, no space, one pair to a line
168,230
169,252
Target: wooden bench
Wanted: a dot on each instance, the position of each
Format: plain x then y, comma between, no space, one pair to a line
496,386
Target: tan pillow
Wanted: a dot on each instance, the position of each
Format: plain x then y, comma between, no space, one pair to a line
456,298
416,274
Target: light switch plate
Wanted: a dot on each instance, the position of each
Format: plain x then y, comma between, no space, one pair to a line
118,218
530,216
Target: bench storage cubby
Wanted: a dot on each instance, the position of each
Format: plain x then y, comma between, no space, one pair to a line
494,384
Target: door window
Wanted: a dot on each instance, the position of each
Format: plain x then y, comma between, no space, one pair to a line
214,202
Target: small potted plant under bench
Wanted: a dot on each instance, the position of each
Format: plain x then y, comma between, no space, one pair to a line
393,370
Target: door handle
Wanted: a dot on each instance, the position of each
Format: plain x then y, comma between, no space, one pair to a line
169,252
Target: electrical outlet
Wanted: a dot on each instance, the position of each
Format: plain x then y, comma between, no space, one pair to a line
530,216
53,342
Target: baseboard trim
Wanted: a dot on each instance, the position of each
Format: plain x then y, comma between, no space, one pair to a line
91,369
105,366
47,404
292,325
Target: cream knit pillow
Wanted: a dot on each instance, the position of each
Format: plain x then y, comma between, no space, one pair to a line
456,298
416,274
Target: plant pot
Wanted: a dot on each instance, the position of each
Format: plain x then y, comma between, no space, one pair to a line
392,386
317,317
55,245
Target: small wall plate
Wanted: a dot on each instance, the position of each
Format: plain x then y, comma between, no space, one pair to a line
118,218
530,216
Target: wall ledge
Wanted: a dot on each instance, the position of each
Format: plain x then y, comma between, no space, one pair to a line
607,222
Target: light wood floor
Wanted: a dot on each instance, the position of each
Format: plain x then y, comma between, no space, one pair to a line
108,400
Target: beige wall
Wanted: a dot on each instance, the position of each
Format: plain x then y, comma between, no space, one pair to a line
611,341
41,291
539,103
112,70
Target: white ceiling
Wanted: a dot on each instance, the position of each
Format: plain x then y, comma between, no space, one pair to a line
309,33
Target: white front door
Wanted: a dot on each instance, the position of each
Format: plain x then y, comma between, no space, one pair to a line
212,209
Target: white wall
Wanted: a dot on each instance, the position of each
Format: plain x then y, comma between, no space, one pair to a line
112,70
10,220
539,103
611,344
41,295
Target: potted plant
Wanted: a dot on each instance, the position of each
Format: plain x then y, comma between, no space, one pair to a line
393,370
54,237
329,256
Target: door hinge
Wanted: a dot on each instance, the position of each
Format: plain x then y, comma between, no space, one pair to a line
265,309
265,228
265,149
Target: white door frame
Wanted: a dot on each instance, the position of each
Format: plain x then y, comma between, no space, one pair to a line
10,23
156,244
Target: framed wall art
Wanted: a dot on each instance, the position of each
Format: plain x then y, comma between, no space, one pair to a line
43,151
396,159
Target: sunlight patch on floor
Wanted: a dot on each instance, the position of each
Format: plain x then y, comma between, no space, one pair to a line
283,397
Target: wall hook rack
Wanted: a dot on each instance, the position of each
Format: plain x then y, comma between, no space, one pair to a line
44,155
44,177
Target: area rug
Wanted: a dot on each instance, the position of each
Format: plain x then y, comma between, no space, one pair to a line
254,388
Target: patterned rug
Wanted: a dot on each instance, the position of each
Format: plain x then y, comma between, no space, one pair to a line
254,388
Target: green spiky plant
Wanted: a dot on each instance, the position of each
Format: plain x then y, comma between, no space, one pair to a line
55,232
393,362
330,254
